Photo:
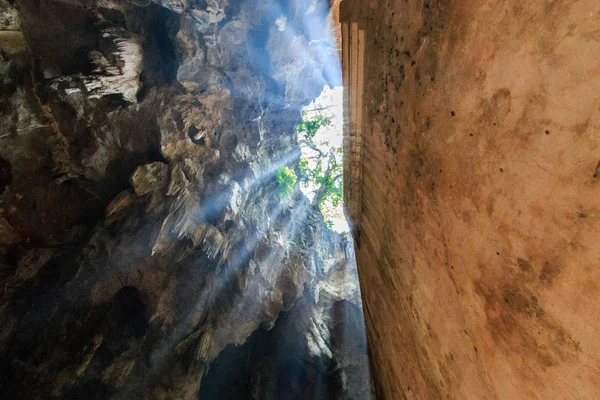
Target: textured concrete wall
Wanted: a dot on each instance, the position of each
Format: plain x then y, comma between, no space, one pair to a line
480,226
353,61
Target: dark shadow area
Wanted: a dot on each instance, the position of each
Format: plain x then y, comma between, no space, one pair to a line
277,363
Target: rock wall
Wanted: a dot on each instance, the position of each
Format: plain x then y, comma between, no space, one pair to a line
142,233
480,222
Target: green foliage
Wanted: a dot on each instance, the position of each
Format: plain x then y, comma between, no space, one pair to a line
330,181
320,167
308,127
308,174
286,178
303,169
334,191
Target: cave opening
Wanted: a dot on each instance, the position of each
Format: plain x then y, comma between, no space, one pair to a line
321,173
201,145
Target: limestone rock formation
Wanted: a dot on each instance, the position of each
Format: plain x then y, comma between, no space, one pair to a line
143,241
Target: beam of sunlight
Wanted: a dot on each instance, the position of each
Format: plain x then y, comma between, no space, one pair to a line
320,44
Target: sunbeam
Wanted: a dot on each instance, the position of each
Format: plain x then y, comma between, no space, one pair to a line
159,214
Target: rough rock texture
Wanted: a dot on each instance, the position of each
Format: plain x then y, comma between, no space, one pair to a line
479,231
142,234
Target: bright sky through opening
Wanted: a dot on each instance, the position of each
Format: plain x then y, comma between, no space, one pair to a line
329,104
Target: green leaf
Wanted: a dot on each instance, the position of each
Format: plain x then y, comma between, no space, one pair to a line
308,128
286,178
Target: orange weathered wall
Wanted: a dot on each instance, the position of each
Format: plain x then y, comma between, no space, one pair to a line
479,251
